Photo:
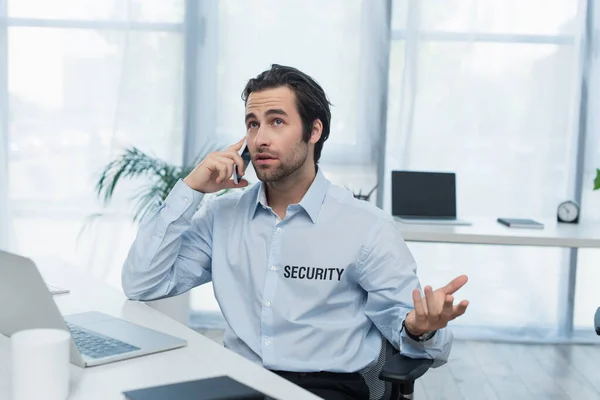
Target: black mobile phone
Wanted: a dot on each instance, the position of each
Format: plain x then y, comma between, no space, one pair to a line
245,154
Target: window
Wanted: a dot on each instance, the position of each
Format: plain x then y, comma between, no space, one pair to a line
588,274
490,90
85,80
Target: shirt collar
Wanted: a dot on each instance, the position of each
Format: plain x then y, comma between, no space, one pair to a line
311,202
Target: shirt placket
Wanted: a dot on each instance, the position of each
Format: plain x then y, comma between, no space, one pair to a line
270,288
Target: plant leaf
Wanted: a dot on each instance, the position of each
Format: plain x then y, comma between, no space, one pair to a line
597,180
132,163
87,225
146,199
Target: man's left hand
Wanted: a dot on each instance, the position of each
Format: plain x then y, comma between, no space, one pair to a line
436,309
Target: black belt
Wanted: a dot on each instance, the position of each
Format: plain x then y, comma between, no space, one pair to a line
341,376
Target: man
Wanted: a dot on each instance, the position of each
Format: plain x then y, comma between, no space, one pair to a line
307,277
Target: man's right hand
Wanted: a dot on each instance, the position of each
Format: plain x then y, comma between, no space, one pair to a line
215,171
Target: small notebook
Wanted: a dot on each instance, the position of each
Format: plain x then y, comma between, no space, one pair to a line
520,223
217,388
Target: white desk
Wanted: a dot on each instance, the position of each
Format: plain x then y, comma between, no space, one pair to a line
488,231
200,359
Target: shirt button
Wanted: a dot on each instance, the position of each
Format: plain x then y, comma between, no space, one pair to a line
278,230
267,342
273,268
185,200
267,304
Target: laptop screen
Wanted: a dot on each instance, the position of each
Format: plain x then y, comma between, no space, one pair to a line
424,194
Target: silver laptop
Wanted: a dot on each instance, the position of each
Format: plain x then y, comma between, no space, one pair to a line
421,197
97,338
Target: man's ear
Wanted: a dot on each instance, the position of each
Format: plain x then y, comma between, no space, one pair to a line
317,130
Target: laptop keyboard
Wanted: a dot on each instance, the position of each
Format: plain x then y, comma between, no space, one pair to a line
95,345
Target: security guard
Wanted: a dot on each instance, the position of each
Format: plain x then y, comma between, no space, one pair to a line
307,277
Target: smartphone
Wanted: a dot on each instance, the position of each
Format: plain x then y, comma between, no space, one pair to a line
245,154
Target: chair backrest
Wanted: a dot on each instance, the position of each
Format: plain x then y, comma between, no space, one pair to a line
378,389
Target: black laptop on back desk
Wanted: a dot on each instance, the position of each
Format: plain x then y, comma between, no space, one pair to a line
425,197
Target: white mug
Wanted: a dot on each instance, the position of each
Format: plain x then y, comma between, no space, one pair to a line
40,364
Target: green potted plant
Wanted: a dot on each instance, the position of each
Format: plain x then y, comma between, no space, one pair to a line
597,180
133,163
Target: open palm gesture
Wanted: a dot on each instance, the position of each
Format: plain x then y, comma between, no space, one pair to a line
436,308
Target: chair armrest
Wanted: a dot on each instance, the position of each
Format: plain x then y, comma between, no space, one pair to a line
597,321
402,369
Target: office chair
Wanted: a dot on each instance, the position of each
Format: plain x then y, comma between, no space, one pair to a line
393,376
597,321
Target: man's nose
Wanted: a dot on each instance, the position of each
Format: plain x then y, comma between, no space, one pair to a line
262,137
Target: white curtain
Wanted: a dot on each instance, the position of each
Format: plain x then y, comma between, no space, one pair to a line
85,80
490,90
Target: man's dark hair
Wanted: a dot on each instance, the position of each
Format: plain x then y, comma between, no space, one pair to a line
311,101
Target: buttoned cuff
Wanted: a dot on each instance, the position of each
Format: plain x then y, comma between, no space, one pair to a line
182,201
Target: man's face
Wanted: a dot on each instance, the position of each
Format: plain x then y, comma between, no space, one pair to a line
274,134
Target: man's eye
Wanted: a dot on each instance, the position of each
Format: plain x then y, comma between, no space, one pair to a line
252,125
278,121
